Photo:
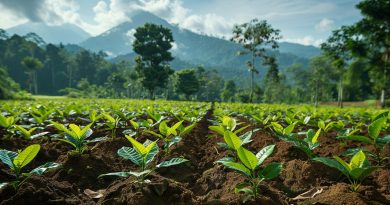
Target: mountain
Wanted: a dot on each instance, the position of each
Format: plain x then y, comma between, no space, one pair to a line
66,33
299,50
195,49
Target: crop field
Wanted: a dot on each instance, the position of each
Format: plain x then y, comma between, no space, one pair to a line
62,151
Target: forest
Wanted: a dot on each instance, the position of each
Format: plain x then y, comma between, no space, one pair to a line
353,66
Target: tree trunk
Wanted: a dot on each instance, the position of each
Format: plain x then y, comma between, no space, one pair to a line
35,82
251,93
340,94
316,95
383,91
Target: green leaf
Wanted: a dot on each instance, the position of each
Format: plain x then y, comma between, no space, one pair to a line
229,122
241,129
264,153
237,167
232,140
137,146
357,160
187,129
131,154
172,162
375,127
271,171
134,124
332,163
45,167
247,158
315,137
76,130
321,124
27,155
289,129
154,133
7,157
343,163
163,128
357,138
172,130
243,188
218,129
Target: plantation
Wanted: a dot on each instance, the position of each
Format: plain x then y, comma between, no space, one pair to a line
60,151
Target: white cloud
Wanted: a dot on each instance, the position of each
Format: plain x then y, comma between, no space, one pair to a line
324,25
9,19
307,40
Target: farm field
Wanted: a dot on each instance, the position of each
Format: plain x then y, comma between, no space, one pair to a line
62,151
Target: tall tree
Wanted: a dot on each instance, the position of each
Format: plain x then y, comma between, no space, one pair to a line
337,48
152,44
32,65
255,36
272,82
229,91
186,82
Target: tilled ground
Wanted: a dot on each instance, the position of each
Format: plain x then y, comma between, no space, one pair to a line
199,181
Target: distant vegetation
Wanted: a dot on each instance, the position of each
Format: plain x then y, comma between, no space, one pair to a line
353,66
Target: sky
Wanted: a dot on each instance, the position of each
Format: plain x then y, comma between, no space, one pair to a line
307,22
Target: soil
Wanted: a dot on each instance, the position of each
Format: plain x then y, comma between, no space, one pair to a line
200,181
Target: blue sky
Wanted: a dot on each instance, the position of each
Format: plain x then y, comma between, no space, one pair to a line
303,21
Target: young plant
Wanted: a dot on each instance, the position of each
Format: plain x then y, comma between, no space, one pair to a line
7,122
356,170
227,124
308,144
374,139
27,133
76,136
17,161
142,155
171,135
112,124
248,166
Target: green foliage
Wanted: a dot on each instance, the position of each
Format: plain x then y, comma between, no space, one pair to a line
6,122
254,36
356,170
75,136
17,161
248,166
152,43
186,82
142,155
8,87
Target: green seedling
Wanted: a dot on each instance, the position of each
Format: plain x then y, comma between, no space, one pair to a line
17,161
374,139
142,155
171,135
308,144
76,136
112,124
356,170
249,166
28,133
7,122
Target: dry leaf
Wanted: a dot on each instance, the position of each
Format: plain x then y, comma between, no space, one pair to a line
94,194
309,194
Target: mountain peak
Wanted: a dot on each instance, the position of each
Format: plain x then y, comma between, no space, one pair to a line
65,33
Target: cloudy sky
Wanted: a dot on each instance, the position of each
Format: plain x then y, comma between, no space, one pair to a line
303,21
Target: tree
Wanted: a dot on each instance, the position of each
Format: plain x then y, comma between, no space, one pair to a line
8,87
272,83
186,82
255,36
152,43
337,48
322,75
32,65
229,91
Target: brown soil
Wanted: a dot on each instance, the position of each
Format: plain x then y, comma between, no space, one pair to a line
200,181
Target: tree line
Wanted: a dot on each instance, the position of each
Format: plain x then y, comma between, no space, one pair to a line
353,66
